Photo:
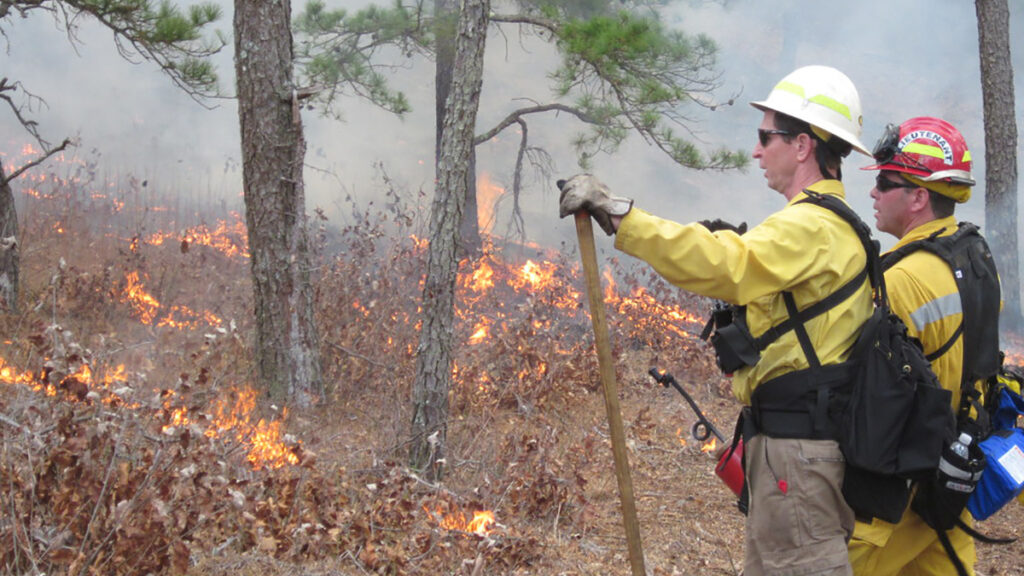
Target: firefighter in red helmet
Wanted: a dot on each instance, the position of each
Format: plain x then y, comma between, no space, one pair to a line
924,171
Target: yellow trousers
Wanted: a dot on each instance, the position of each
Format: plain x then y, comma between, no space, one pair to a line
909,548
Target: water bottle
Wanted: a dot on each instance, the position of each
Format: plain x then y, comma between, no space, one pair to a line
959,447
960,476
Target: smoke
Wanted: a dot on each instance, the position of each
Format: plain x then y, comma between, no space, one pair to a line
906,58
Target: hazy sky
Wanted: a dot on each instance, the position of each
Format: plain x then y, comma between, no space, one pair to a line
907,58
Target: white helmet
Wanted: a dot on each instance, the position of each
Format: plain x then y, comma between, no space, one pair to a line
824,98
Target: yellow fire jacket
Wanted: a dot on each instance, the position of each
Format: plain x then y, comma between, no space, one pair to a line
924,294
805,249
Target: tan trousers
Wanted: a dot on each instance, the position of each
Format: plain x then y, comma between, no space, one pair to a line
798,523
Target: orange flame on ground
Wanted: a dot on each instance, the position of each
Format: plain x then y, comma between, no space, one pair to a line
229,238
11,375
147,307
480,333
709,446
482,278
481,523
681,436
266,448
263,439
141,301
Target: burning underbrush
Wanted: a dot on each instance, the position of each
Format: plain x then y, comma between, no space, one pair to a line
133,444
131,441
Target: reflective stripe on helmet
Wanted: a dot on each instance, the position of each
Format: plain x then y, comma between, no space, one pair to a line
836,110
930,152
923,149
819,99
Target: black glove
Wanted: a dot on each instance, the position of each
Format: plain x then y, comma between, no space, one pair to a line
716,225
584,192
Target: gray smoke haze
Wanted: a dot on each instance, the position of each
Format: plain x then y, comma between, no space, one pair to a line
906,58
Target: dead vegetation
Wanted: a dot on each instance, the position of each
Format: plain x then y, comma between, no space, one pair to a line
130,443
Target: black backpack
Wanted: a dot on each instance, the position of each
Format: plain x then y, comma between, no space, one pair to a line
888,411
970,259
973,267
897,418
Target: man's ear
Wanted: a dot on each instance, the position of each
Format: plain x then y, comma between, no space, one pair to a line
805,146
921,199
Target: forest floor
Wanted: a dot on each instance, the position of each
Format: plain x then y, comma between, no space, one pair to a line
131,441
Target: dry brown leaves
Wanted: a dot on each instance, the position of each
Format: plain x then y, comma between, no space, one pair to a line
106,480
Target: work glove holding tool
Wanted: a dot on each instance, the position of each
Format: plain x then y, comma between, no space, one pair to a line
585,192
582,195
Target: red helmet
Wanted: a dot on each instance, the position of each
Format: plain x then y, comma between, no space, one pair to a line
927,148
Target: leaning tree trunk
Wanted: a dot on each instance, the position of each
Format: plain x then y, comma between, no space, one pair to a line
273,150
1000,151
434,355
446,14
10,260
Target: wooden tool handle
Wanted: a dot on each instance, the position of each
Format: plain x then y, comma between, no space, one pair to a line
588,252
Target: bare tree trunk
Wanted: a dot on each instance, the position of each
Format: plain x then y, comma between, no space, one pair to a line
434,354
273,149
1000,151
446,13
10,257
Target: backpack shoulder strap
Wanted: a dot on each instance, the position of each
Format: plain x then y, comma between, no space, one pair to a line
970,260
892,257
871,246
872,271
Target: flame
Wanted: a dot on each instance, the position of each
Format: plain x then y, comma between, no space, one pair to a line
480,333
709,446
141,301
228,238
11,375
681,436
482,278
147,308
233,414
487,196
481,524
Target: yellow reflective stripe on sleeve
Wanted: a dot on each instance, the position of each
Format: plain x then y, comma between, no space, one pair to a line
819,99
935,310
923,149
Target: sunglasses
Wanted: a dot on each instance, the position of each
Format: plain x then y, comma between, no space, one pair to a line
883,184
764,136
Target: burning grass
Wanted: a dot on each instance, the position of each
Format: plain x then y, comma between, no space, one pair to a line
131,443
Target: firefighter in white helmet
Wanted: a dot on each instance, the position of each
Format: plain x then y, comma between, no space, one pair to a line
798,521
924,171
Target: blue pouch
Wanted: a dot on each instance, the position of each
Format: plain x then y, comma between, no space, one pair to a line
1003,477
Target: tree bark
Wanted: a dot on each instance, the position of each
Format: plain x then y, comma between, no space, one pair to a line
434,354
10,257
446,13
1000,152
273,150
